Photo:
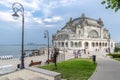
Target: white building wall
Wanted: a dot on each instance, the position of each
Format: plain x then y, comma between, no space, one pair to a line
83,37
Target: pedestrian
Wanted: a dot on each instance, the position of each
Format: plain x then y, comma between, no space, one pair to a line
56,52
74,53
79,53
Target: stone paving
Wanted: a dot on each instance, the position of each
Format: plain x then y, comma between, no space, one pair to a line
107,69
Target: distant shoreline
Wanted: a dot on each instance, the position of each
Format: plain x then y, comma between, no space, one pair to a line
24,44
15,49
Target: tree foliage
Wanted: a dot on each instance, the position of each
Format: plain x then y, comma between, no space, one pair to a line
117,49
113,4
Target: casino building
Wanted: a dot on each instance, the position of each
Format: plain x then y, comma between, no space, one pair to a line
84,33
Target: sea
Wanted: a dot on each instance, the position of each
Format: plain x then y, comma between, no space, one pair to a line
15,50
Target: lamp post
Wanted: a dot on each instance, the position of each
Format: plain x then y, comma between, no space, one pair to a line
18,9
109,42
46,35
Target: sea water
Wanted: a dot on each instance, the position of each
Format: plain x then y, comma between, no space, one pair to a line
15,50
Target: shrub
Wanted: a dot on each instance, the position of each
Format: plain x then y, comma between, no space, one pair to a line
115,55
116,49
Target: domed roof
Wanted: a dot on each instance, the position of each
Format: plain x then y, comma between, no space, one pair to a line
83,21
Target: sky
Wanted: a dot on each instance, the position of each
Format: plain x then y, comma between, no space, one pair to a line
51,15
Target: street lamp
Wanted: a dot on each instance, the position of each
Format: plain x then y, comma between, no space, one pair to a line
109,42
46,35
18,9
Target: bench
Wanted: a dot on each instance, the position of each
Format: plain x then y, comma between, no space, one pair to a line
51,60
35,63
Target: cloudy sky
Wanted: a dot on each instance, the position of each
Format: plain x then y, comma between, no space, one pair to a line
52,15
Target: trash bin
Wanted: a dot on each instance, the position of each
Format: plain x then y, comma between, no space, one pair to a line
94,58
18,65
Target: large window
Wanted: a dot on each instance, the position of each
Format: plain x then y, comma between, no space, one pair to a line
62,36
93,34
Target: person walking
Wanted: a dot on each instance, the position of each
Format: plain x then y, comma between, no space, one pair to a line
75,54
79,54
56,52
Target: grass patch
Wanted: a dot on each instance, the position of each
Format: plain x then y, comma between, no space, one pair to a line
74,69
117,59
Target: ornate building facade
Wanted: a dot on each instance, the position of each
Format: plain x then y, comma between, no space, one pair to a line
83,33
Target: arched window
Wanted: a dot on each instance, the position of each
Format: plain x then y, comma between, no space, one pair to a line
86,45
105,44
71,44
93,44
96,43
80,44
62,44
66,44
75,44
93,34
100,44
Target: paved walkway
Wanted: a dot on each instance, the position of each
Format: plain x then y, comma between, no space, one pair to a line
107,69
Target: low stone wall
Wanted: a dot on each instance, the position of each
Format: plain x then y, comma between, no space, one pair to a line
6,69
49,75
32,73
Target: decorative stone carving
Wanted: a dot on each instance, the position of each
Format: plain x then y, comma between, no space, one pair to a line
70,19
83,17
100,22
79,26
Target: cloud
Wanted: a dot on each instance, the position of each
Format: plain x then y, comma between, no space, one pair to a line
27,4
53,19
38,20
30,7
49,25
6,16
46,8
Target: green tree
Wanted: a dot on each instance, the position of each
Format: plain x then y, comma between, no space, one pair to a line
113,4
116,49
